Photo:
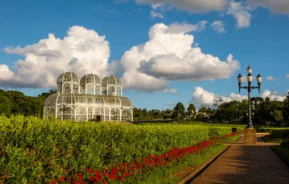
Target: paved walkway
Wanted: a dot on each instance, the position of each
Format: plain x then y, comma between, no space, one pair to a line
246,164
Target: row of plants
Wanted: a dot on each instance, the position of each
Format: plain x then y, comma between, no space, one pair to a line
134,171
125,171
34,150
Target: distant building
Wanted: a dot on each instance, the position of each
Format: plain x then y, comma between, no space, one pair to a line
88,99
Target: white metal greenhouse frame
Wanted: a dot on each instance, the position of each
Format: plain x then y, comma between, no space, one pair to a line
83,101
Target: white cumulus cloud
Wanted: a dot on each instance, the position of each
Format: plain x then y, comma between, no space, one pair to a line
273,96
270,78
201,96
275,6
81,51
241,13
218,26
169,55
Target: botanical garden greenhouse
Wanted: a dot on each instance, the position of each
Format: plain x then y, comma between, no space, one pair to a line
89,98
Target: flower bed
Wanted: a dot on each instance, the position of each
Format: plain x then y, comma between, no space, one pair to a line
140,166
121,172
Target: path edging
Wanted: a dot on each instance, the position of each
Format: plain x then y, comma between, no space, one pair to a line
188,178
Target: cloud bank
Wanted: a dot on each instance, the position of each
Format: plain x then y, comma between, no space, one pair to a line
240,10
201,96
192,6
168,55
273,96
81,50
275,6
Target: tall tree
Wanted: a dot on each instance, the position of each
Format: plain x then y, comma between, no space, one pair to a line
191,109
217,104
179,111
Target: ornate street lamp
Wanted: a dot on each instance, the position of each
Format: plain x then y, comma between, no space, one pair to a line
249,88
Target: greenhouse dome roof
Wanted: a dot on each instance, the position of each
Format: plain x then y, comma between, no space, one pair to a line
89,79
111,80
67,77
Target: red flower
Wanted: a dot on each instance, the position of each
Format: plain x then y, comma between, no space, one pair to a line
89,170
74,176
97,176
62,178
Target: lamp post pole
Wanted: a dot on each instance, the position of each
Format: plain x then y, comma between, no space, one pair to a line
249,87
288,106
249,107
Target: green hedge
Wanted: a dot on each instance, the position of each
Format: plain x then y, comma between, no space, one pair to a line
279,133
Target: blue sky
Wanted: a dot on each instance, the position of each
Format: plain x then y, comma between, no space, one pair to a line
184,59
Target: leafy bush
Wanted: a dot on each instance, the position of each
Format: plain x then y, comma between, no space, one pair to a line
280,133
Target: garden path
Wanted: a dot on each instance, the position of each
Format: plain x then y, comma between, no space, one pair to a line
247,164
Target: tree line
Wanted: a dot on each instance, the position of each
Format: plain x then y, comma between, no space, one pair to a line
264,111
15,102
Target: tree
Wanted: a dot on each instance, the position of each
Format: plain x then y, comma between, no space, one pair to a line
277,116
191,109
47,94
286,109
178,111
217,104
5,105
167,114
